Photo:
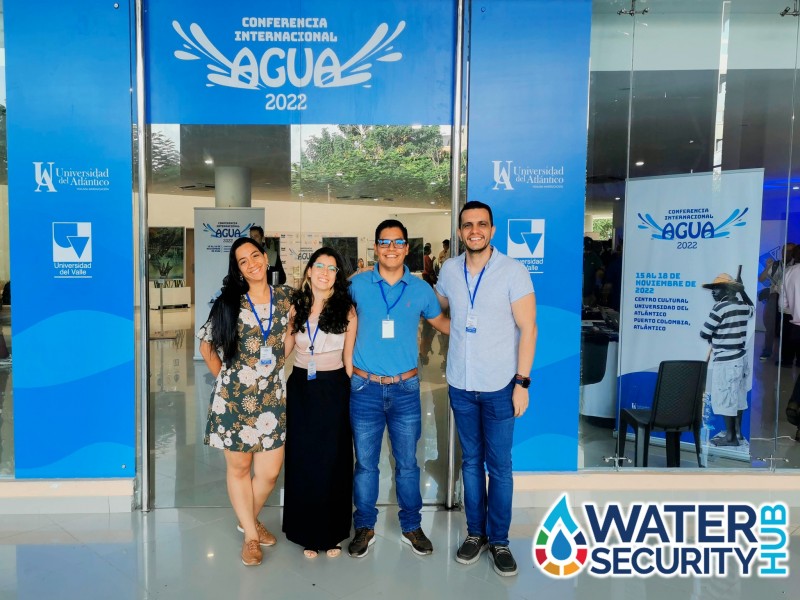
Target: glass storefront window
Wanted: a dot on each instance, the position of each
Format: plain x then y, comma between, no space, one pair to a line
700,189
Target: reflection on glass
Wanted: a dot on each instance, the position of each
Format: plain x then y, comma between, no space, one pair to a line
315,191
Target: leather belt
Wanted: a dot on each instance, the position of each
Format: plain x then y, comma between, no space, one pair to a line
385,379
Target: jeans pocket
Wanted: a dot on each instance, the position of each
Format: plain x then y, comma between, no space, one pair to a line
357,383
501,408
410,385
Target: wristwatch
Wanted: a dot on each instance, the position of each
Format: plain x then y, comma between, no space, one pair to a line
523,381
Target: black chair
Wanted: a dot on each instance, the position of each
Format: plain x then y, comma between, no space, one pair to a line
594,355
677,407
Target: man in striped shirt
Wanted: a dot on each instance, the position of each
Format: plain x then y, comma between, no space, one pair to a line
726,330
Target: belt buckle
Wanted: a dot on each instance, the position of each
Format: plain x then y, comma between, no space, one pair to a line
390,379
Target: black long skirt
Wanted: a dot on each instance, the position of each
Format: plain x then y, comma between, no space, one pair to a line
318,477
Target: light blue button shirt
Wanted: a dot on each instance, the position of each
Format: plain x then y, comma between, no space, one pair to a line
484,361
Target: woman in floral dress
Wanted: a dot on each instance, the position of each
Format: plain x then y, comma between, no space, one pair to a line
242,344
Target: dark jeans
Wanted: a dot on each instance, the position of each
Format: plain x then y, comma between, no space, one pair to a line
790,340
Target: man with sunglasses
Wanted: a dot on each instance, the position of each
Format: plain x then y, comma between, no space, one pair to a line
492,343
384,389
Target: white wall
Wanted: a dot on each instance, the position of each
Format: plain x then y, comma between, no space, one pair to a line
310,217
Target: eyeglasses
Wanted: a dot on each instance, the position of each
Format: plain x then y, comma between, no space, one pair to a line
397,243
330,268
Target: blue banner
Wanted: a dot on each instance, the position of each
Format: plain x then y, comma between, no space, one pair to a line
527,159
70,211
354,61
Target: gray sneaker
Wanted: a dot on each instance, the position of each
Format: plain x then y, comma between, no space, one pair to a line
471,550
418,541
502,560
362,540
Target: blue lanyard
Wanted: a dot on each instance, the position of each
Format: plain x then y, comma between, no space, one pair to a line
271,307
475,291
386,302
312,338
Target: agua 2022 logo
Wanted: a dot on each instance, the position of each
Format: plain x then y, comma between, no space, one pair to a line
298,65
692,224
703,539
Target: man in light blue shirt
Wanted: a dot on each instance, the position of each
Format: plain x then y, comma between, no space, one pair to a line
384,389
492,344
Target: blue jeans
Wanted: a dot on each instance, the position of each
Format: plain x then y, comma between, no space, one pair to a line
485,425
372,408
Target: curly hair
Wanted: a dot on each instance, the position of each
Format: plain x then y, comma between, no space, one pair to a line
224,314
334,316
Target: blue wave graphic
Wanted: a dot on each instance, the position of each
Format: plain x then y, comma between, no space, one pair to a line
70,346
548,452
96,460
553,346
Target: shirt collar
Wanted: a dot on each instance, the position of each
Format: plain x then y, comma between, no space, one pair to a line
376,276
492,258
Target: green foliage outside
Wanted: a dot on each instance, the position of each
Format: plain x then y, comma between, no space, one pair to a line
358,161
603,227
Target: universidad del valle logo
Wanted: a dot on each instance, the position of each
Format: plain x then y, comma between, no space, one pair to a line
703,539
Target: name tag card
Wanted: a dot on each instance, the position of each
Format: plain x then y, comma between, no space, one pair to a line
387,329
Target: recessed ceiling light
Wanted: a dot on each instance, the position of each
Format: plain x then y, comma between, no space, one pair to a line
796,187
209,161
616,197
691,141
639,163
432,202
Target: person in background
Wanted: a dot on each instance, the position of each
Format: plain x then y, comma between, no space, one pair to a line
242,343
444,254
271,247
318,487
427,266
773,313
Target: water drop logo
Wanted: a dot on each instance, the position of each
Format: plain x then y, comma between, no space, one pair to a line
560,547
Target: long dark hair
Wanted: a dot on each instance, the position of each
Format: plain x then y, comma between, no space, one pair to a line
224,315
333,318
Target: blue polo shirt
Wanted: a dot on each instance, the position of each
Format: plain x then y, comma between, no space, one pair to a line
393,356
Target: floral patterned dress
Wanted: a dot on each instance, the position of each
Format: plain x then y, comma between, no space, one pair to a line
248,404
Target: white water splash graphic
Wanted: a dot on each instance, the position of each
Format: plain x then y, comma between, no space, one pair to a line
277,66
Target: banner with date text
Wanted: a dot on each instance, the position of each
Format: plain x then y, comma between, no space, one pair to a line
683,231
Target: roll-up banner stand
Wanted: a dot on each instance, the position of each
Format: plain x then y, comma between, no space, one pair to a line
215,230
683,231
71,238
527,160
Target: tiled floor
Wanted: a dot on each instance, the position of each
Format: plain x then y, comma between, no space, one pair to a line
194,553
